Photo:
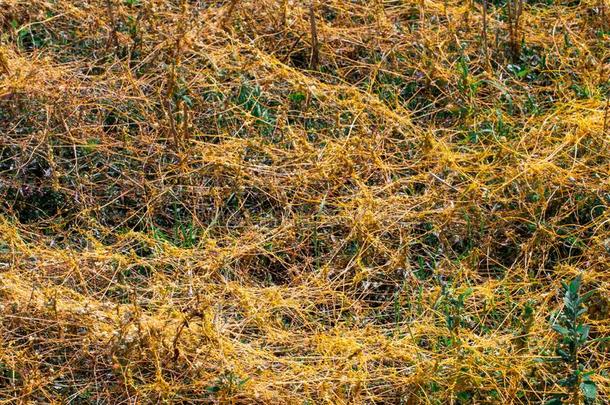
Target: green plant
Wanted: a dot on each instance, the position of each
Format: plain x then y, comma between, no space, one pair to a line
453,309
250,98
297,97
186,234
227,384
574,337
32,36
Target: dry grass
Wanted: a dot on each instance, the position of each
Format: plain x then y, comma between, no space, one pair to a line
192,213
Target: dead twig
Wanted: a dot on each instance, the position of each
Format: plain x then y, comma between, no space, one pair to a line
315,56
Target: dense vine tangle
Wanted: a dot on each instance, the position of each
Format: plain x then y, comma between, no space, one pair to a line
282,201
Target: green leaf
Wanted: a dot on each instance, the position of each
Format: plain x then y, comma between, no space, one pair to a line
564,355
465,294
589,389
242,382
586,296
464,396
583,331
187,100
213,388
297,97
570,381
560,329
575,285
522,73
